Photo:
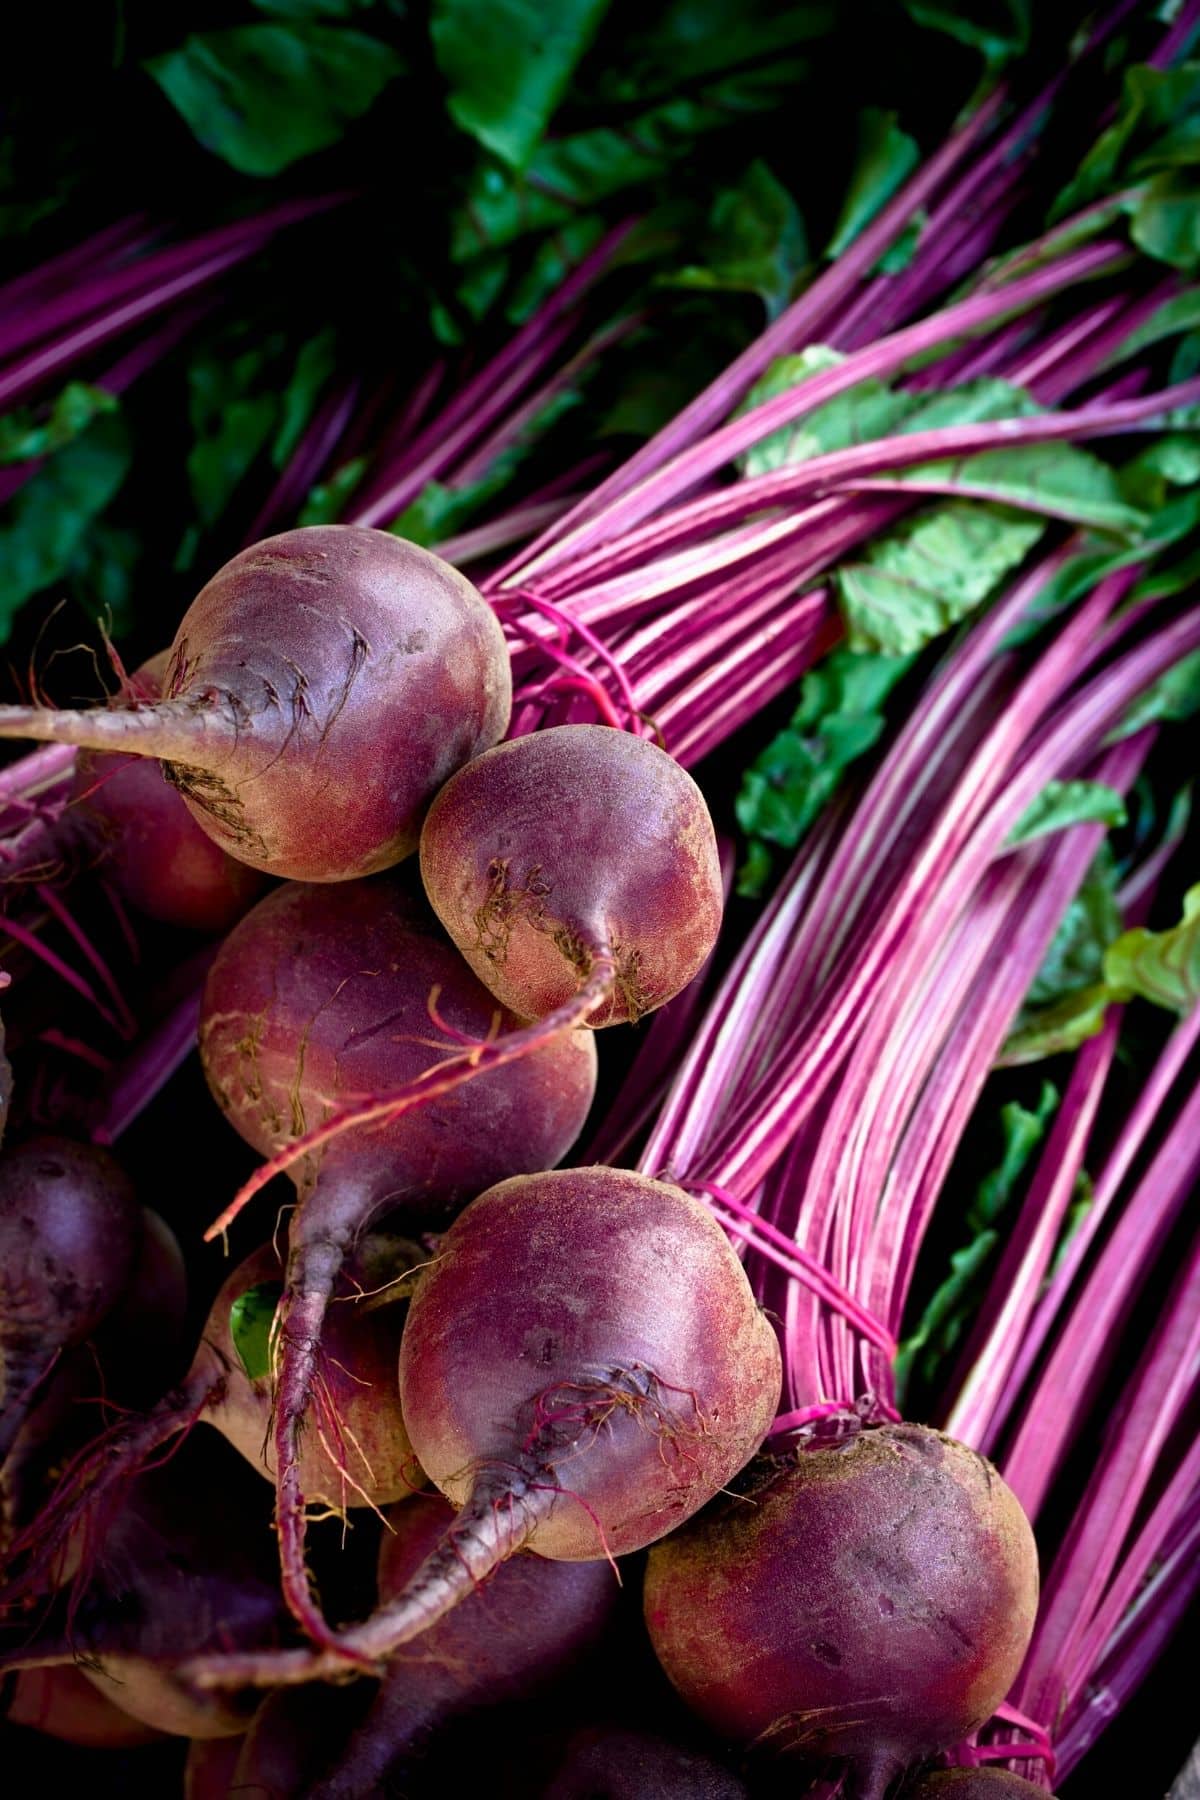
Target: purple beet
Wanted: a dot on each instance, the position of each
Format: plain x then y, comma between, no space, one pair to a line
583,1367
973,1784
322,994
609,1763
291,1740
575,851
209,1769
182,1568
70,1235
357,1451
514,1637
62,1703
871,1601
321,688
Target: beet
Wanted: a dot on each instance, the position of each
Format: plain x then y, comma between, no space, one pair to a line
583,1366
973,1784
321,994
292,1738
609,1763
181,1568
514,1637
70,1231
62,1703
209,1769
357,1452
575,845
870,1601
320,689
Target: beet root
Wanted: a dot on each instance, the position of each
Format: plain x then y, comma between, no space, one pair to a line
324,993
572,843
506,1642
614,1764
870,1602
70,1231
973,1784
583,1366
321,688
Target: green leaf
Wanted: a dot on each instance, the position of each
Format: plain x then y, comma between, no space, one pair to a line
252,1325
1091,922
314,365
327,500
572,174
263,96
31,433
756,243
688,41
313,9
1166,223
1174,696
944,1322
44,532
508,64
839,718
1179,313
552,262
999,37
1060,481
1064,803
929,572
1054,1029
897,259
886,157
1161,966
233,413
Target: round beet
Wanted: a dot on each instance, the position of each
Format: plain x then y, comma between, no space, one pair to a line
531,1620
70,1233
209,1769
973,1784
323,993
871,1601
569,846
321,688
582,1368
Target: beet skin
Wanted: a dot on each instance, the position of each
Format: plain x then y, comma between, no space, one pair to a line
871,1601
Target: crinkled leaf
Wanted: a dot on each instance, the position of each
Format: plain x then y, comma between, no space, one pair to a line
944,1322
233,412
572,174
507,65
1064,803
263,96
251,1326
31,432
997,29
756,242
839,718
44,530
327,500
1061,481
920,578
886,157
1162,966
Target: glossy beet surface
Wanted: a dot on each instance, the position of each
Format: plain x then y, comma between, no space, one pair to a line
870,1601
575,840
321,688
